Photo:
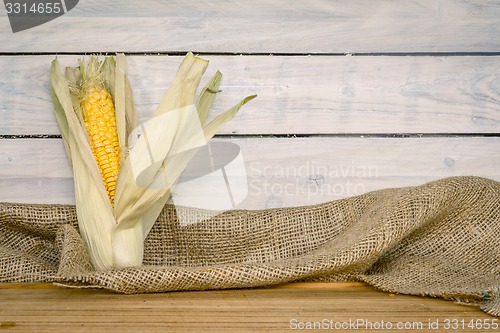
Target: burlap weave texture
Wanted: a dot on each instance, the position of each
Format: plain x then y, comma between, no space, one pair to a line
439,239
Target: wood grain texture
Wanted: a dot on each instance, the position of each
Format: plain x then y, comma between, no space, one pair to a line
296,95
280,172
45,308
319,26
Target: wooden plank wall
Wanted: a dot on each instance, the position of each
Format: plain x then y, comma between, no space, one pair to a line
353,96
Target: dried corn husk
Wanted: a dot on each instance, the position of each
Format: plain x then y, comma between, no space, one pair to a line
114,234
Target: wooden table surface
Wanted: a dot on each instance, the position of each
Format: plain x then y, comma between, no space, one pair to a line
340,307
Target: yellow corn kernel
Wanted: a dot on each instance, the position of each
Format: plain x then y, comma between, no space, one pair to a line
100,121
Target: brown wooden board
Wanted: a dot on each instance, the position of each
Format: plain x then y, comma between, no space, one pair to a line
334,307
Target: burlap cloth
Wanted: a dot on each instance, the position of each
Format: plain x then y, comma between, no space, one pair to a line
440,239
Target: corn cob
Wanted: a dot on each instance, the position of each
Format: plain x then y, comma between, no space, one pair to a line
94,125
100,121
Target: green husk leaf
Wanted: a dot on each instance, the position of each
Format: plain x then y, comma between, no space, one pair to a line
131,200
224,117
96,220
73,76
134,200
114,79
182,90
60,114
130,114
207,97
145,202
128,245
152,212
95,214
61,92
126,118
119,99
176,164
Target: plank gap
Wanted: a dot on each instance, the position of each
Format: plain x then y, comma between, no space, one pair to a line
292,135
359,135
278,54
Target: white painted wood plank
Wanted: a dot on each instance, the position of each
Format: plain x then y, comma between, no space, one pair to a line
265,26
280,172
296,95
